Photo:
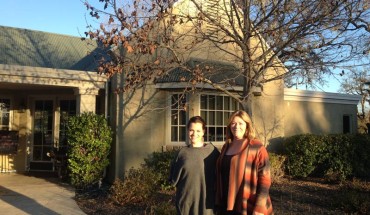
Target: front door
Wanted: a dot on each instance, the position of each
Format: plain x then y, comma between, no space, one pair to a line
43,125
50,118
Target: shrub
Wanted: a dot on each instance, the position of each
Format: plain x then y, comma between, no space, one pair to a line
136,188
303,152
160,163
334,157
140,184
277,163
89,139
361,156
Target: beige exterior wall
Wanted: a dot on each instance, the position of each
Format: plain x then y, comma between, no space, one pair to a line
317,112
267,113
140,126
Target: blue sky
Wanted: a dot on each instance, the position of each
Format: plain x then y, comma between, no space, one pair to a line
55,16
63,17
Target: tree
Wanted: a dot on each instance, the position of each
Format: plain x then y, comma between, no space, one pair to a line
295,40
354,82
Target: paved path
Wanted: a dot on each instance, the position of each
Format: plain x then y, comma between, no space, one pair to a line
25,194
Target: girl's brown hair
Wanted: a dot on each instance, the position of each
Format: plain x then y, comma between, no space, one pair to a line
197,119
249,132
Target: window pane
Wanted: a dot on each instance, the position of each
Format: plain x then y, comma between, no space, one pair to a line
226,103
211,117
174,118
219,132
211,102
174,134
5,119
182,117
232,107
211,134
182,134
48,139
4,114
203,102
219,118
219,102
203,114
226,118
174,102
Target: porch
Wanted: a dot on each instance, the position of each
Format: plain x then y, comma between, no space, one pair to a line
35,103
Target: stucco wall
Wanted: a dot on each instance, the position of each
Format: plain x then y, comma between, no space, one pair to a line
317,118
267,113
140,120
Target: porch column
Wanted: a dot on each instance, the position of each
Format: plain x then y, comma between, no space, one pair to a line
86,99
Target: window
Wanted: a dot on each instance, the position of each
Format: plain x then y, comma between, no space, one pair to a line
346,124
216,110
4,114
178,118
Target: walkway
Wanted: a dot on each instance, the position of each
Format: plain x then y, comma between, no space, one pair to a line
26,194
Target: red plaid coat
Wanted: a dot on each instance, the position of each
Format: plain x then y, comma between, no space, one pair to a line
249,180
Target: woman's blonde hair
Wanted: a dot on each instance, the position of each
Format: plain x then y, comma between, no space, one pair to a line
249,132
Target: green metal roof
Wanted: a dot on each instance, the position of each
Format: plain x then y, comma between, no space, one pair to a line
41,49
218,72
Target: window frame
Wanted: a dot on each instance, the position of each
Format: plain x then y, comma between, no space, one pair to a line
224,112
178,125
10,123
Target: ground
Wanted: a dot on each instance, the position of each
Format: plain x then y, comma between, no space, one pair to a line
311,196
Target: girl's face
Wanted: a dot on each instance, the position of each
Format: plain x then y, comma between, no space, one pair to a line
238,127
196,133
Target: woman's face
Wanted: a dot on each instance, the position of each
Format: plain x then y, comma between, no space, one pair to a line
196,133
238,127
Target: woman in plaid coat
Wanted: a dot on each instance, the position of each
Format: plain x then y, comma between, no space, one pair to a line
243,171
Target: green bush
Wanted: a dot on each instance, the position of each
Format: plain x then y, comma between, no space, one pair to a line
303,152
361,157
89,139
160,163
334,157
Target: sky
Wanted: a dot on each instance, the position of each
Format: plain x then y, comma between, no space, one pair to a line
68,17
54,16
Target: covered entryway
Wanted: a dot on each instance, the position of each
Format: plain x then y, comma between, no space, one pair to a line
37,103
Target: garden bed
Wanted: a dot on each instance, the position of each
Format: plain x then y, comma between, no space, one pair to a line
310,196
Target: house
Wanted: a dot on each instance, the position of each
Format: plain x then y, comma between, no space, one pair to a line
46,77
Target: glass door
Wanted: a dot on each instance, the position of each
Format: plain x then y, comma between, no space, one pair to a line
50,121
43,130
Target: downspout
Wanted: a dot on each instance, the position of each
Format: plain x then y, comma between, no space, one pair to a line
106,99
